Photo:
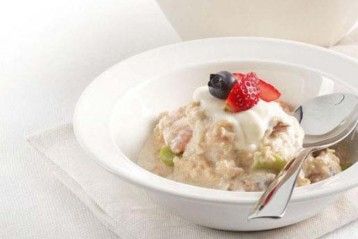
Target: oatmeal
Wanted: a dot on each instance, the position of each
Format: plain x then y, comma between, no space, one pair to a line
238,138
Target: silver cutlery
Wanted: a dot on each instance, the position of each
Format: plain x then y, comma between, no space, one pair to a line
326,120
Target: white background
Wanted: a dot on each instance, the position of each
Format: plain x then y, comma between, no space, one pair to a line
49,51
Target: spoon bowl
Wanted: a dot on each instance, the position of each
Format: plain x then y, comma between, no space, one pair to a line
321,126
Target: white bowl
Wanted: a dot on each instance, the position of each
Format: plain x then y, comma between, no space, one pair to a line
115,115
318,22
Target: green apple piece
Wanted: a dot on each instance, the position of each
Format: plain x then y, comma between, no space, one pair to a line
276,165
345,165
166,155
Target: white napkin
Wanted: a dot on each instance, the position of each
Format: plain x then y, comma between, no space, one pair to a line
129,213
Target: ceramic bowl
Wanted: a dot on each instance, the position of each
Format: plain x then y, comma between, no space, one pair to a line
116,113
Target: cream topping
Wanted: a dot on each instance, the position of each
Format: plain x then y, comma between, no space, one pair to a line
251,125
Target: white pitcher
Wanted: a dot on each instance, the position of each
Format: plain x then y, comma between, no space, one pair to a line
321,22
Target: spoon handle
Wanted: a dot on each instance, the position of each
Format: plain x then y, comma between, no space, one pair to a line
273,202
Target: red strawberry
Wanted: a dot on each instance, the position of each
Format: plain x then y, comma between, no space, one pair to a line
244,94
238,75
253,77
249,76
268,92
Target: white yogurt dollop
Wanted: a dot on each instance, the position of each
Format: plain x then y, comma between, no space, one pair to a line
251,124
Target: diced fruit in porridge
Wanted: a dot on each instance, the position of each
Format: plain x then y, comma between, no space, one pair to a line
244,95
166,155
178,144
345,165
221,83
268,92
275,165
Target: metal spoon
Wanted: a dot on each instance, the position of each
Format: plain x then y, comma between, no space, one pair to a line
326,121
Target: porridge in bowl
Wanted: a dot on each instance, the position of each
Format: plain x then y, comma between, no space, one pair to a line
235,135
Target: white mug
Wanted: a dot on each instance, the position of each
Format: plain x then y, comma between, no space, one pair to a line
320,22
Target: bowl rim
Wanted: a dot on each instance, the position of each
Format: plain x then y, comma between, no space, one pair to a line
194,192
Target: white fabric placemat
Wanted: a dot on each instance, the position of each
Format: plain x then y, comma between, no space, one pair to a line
129,213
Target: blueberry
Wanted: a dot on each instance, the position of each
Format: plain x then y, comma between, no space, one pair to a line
221,83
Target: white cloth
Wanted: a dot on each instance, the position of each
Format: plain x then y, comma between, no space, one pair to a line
128,212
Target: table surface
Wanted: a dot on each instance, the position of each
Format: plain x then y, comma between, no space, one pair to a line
50,51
